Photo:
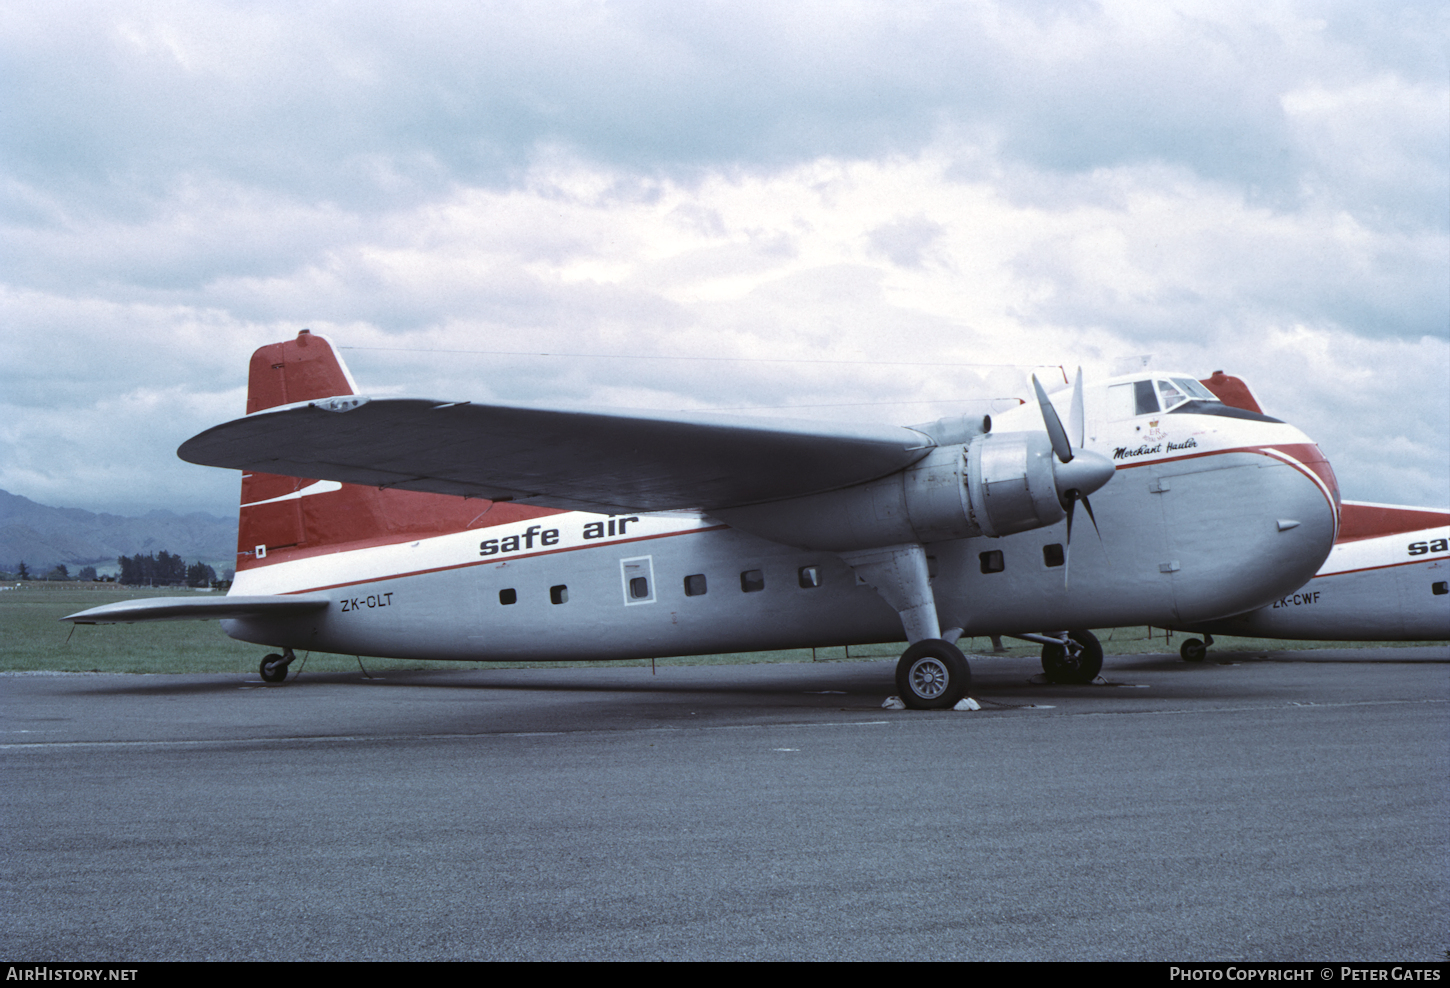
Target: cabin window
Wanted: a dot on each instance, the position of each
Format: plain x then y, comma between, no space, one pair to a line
695,585
559,594
752,580
1052,555
810,576
992,561
509,596
639,588
1442,587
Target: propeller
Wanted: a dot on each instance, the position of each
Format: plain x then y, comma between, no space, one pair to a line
1078,472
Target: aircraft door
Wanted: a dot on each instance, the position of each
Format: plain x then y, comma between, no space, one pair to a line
638,578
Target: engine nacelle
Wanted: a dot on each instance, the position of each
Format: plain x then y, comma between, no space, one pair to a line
1013,483
993,485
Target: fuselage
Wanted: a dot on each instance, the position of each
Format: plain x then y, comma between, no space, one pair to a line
1211,512
1387,579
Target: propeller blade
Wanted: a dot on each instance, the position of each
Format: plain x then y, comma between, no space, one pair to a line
1075,431
1072,497
1078,470
1055,431
1089,506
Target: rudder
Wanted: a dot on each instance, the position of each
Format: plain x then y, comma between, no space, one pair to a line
303,369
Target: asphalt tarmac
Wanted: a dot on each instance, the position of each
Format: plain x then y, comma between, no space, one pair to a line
1236,810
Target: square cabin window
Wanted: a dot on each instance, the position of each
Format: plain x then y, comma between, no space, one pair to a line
559,594
509,596
810,576
992,561
695,585
1052,555
752,580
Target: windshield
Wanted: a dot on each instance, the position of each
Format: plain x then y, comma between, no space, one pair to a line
1195,389
1171,396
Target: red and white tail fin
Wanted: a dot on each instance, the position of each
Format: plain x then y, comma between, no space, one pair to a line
284,518
303,369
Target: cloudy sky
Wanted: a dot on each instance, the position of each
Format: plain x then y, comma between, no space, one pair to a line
887,211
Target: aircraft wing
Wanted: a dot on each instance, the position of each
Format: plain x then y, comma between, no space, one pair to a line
198,608
578,460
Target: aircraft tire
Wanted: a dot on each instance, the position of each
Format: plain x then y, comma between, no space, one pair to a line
1193,650
932,675
273,669
1061,666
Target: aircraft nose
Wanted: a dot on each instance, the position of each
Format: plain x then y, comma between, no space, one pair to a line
1304,524
1247,533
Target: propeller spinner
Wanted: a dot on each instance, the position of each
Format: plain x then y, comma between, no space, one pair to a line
1078,472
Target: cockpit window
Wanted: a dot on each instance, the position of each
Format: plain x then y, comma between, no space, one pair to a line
1171,396
1144,399
1137,398
1195,389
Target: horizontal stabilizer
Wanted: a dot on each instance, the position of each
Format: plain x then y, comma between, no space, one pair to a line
575,460
198,609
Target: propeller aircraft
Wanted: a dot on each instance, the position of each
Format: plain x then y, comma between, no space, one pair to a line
452,530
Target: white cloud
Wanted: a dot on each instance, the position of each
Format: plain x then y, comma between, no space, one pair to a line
1257,188
1382,142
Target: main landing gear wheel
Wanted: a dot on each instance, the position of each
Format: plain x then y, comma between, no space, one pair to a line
932,675
274,668
1080,662
1194,650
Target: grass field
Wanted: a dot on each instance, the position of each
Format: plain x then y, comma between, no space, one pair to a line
32,638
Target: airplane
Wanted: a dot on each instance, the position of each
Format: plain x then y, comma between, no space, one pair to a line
452,530
1386,579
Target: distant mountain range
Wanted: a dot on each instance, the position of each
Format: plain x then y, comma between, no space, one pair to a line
43,537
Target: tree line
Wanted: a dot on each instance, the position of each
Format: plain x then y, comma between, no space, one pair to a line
60,572
159,570
164,570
